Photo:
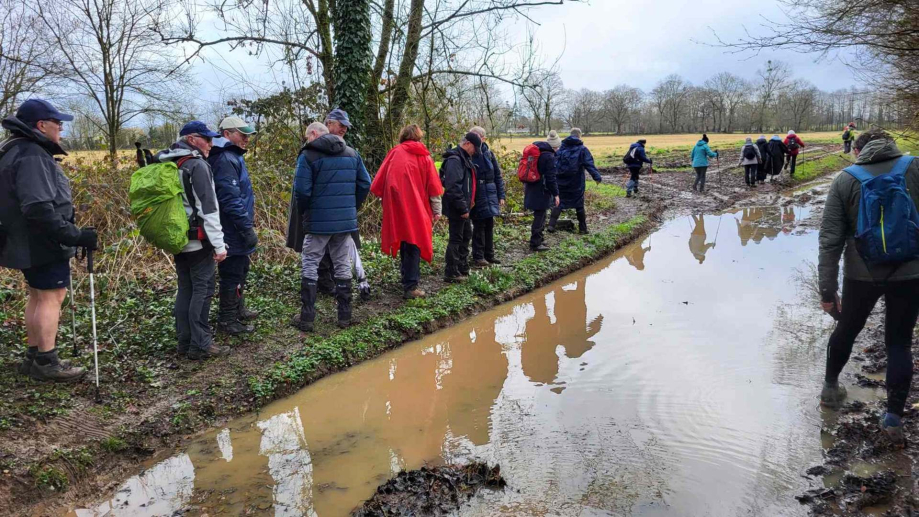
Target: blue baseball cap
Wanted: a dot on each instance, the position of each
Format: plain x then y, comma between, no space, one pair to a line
340,115
196,127
33,110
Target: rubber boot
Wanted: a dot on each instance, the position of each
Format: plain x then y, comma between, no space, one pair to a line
553,220
832,395
343,296
244,313
48,368
582,223
228,313
308,292
893,427
325,282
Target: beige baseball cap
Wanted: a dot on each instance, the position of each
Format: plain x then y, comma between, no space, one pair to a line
237,124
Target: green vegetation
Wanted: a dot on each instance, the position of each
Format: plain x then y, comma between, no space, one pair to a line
49,478
809,170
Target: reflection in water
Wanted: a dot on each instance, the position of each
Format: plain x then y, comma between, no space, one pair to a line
631,388
160,490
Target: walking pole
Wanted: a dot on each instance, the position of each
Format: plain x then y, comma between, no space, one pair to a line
92,304
73,321
718,230
718,161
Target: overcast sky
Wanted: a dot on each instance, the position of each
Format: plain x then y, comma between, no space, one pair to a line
608,42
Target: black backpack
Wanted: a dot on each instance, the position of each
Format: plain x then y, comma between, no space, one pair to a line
749,153
793,144
5,146
845,135
630,158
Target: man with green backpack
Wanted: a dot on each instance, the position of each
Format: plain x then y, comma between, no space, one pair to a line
870,216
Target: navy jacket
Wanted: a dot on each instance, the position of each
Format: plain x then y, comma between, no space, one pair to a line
457,173
639,155
489,190
330,184
572,160
234,194
540,195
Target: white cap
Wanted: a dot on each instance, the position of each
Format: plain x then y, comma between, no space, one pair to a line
237,124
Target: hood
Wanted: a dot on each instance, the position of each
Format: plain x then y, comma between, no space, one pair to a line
178,150
544,146
456,151
20,128
776,137
791,133
222,145
701,143
327,144
416,148
572,141
761,140
878,151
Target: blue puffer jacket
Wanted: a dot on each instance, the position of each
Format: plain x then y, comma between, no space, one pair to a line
571,160
489,190
701,153
331,182
234,194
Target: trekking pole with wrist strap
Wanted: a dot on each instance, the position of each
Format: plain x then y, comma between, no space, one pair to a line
92,304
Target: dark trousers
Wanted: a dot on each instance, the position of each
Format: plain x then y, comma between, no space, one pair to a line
233,272
790,162
410,257
700,178
557,212
197,279
847,146
750,173
483,239
457,260
536,230
902,311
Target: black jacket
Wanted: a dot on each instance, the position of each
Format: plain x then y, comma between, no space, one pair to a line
541,195
36,204
457,174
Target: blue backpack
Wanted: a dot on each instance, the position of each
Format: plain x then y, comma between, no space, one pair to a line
888,224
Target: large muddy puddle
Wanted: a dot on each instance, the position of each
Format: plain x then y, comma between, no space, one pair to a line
678,377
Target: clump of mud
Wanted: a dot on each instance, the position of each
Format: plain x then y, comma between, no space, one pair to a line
853,494
431,491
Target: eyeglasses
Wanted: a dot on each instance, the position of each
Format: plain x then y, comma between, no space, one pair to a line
53,121
205,138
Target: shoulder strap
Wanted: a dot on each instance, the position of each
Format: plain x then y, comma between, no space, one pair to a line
189,189
902,164
8,144
859,173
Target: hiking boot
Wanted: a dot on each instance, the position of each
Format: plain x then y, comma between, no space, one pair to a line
228,313
245,314
893,426
234,328
201,354
481,263
832,395
540,248
550,229
53,369
343,296
584,231
493,260
628,194
308,292
414,293
455,279
182,349
26,365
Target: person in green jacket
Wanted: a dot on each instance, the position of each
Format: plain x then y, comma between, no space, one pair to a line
700,155
848,136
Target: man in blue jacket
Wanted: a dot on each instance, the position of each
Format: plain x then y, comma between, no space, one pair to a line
237,216
571,161
634,160
330,184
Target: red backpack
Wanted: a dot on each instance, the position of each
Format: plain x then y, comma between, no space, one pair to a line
527,171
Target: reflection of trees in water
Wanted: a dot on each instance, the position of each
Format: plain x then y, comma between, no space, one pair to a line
163,489
289,463
571,331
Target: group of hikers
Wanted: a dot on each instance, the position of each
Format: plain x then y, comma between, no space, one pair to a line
760,159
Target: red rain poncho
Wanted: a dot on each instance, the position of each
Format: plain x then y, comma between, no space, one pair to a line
405,182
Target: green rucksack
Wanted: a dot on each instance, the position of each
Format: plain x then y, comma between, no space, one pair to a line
157,206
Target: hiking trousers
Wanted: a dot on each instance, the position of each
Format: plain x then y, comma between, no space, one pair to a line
339,248
902,311
632,185
790,163
750,173
457,259
847,146
537,229
483,239
197,278
410,265
699,184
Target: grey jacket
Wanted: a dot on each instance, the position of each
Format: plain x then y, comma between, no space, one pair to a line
840,218
754,161
205,197
36,204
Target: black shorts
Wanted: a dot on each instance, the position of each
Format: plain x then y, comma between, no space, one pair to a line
55,275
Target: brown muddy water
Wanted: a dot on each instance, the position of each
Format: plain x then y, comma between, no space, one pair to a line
678,377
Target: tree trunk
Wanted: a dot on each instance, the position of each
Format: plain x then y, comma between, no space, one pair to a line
407,66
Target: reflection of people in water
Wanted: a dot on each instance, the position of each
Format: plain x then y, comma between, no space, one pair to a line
746,226
635,255
537,354
697,244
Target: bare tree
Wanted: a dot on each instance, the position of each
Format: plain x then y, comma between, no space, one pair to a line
799,100
773,80
27,64
730,92
618,105
670,96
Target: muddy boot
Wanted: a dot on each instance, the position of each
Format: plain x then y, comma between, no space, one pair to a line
832,395
893,426
244,313
412,294
26,365
202,354
343,296
540,248
308,293
48,368
227,321
582,223
480,263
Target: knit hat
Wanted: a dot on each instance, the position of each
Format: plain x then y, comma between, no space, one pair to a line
554,140
791,133
576,132
473,139
749,140
704,138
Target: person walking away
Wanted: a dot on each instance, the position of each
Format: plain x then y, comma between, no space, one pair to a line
330,184
700,155
458,175
572,159
868,274
634,159
237,218
196,264
543,194
410,190
794,144
489,200
38,235
750,159
765,163
848,136
777,151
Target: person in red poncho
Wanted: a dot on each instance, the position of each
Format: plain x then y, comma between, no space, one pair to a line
410,189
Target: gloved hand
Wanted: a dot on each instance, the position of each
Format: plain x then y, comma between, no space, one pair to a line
250,239
88,239
599,181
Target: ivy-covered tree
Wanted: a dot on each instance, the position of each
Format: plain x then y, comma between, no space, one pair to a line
353,59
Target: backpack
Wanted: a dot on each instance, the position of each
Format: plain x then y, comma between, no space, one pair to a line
528,170
845,134
157,206
888,224
792,144
749,153
630,158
